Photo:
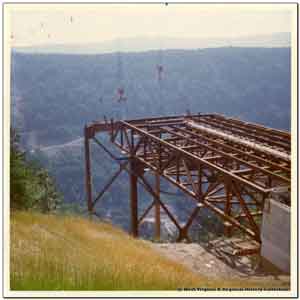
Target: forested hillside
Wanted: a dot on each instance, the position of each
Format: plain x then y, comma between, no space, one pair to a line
53,96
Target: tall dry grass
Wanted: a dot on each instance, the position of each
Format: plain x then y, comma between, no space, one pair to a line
51,252
70,253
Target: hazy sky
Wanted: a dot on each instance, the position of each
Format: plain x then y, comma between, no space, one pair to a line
89,24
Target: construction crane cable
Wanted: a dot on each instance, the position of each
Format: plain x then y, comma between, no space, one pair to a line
160,71
121,97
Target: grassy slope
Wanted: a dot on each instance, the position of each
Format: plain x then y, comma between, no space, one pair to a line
70,253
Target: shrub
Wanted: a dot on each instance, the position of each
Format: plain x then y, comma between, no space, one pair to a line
31,187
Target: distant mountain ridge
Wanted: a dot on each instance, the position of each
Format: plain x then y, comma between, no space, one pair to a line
54,96
139,44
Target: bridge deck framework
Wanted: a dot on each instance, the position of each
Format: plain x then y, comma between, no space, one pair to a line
224,164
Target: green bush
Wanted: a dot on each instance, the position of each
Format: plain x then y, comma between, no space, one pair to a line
31,187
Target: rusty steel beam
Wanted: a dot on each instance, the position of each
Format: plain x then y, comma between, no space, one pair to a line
150,190
217,173
196,159
88,179
134,197
253,128
258,138
145,213
157,204
109,183
256,159
256,127
237,140
155,120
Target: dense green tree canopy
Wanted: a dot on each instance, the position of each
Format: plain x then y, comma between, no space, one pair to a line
30,185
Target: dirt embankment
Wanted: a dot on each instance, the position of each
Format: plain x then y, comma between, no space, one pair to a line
205,261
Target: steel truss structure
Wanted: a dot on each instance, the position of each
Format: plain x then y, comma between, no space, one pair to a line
224,164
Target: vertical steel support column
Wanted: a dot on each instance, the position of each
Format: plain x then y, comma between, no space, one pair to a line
200,190
157,191
227,210
88,181
134,197
157,207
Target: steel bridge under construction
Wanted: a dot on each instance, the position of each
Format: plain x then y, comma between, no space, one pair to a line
224,164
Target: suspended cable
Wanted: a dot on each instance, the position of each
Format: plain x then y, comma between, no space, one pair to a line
121,96
160,75
120,89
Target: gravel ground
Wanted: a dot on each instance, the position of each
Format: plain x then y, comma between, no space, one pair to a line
211,264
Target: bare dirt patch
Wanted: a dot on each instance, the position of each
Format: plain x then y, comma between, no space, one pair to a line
205,261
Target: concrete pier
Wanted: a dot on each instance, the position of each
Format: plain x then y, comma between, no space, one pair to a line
276,232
